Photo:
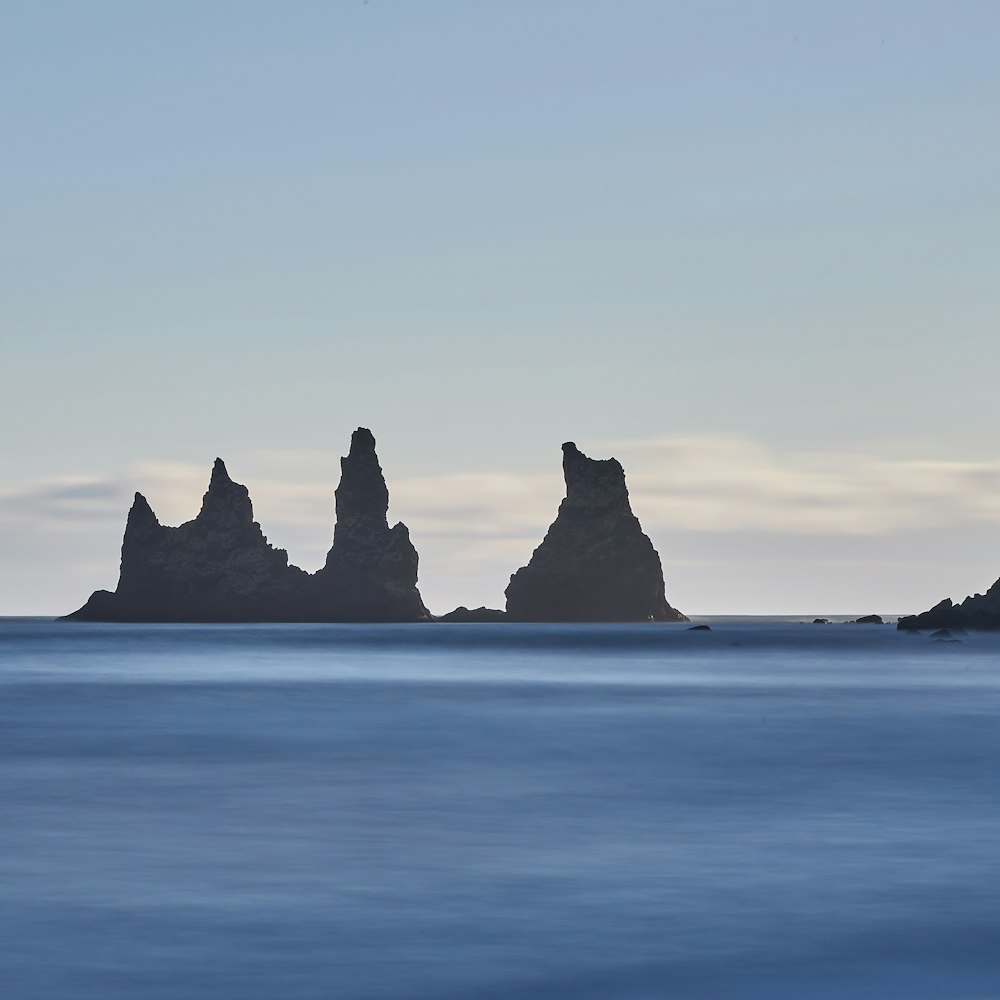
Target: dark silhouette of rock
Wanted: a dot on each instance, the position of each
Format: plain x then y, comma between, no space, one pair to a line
821,621
371,571
463,615
220,568
595,563
980,611
867,620
699,628
217,568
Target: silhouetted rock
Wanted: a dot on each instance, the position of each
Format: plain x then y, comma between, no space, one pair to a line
699,628
821,621
981,611
220,568
463,615
867,620
371,571
217,568
594,564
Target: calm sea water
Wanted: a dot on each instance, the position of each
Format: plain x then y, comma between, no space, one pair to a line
766,810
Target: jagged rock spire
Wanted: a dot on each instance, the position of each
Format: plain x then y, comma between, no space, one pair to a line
216,567
140,514
219,566
592,482
362,498
595,563
371,570
225,503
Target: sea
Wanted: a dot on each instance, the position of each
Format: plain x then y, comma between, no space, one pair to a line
767,809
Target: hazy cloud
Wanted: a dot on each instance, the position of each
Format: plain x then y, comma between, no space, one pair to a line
736,484
62,503
710,484
702,499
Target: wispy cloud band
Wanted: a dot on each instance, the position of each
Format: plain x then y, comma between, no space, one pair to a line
482,526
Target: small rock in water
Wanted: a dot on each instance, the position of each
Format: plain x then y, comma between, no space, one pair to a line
699,628
941,633
821,621
868,620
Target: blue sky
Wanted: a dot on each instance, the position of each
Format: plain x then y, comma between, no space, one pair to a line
483,229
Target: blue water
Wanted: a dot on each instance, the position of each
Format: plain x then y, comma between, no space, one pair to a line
766,810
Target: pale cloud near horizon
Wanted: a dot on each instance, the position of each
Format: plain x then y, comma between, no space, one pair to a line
474,526
720,483
707,483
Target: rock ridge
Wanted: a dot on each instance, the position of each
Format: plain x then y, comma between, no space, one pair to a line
595,563
219,567
980,611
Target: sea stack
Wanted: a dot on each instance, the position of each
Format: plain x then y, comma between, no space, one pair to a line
217,568
595,563
220,568
981,611
371,571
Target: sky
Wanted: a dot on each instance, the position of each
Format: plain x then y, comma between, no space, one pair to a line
748,248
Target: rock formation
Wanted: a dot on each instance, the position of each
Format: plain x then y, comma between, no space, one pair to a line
595,564
217,568
981,611
371,571
473,616
220,568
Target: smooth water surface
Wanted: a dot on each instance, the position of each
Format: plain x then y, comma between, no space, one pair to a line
449,812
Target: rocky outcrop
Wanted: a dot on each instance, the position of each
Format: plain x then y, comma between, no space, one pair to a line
220,568
595,564
371,571
217,568
981,611
469,616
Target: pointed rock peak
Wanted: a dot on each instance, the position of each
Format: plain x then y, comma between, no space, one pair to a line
362,490
225,501
362,443
141,513
220,475
592,481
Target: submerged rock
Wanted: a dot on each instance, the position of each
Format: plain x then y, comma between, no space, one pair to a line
699,628
219,567
595,563
980,611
